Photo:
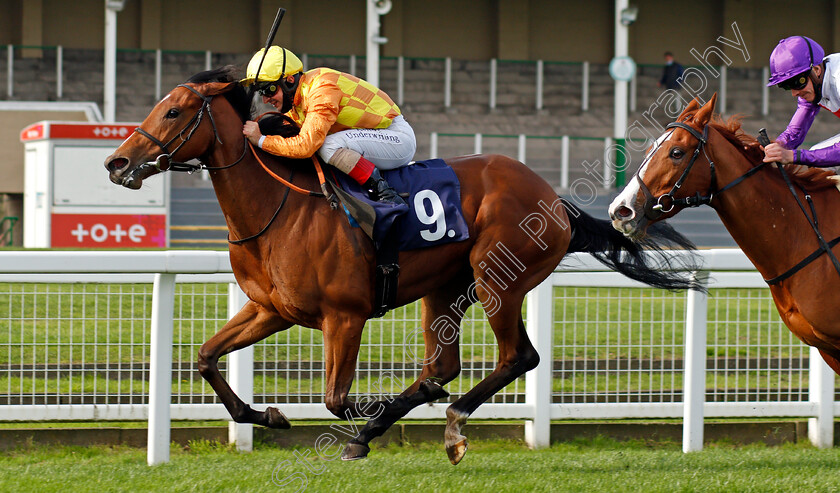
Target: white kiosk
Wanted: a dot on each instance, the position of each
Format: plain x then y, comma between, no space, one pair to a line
69,201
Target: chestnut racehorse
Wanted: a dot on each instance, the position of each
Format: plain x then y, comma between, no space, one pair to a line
306,265
756,206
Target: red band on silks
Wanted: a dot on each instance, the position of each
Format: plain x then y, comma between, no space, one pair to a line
361,171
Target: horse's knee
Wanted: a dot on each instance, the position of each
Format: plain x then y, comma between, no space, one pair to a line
207,362
337,405
448,371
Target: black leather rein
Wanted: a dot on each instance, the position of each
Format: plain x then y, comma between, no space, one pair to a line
655,208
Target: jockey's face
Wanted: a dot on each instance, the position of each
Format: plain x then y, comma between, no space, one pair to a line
276,100
808,93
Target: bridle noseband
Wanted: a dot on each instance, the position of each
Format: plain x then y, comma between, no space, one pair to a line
164,161
657,207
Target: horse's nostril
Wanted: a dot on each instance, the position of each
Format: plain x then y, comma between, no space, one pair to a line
624,212
117,163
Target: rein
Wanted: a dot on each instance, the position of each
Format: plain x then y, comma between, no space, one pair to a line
825,247
331,198
164,161
656,207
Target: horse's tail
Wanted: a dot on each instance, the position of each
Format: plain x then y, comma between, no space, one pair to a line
645,261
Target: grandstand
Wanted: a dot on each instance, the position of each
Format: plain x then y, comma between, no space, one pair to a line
576,99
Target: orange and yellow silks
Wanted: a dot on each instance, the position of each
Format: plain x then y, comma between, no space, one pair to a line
329,101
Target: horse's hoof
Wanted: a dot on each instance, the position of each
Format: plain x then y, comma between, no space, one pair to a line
355,451
276,419
457,451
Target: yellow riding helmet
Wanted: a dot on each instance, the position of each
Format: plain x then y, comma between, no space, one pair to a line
279,63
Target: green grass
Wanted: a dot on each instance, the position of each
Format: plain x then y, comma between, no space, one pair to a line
592,465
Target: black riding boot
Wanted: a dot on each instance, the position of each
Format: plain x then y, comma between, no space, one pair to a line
381,190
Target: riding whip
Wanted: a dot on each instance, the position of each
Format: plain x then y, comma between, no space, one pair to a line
270,39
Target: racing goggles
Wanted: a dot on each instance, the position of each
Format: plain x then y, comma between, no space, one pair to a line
795,83
270,89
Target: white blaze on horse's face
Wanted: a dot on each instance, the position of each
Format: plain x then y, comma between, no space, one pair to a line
628,205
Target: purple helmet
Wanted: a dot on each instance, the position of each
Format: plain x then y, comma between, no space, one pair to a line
792,56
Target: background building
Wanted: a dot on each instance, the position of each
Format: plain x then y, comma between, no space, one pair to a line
516,69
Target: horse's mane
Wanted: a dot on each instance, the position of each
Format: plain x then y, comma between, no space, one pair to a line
241,100
813,178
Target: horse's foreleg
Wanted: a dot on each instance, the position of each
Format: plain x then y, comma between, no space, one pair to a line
250,325
342,337
441,364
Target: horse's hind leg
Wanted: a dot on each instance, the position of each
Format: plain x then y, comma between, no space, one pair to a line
516,356
250,325
441,364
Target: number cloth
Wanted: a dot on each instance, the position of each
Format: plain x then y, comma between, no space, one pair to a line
434,216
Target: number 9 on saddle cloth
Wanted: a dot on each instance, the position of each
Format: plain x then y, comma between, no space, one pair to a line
433,217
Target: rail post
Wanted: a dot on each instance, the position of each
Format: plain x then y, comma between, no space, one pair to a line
723,95
158,72
694,372
400,80
208,60
538,389
821,393
564,162
59,72
240,375
433,145
584,91
540,83
352,64
765,91
608,149
160,368
10,70
447,83
477,144
494,69
522,142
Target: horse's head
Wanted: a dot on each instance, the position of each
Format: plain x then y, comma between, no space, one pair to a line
674,174
180,126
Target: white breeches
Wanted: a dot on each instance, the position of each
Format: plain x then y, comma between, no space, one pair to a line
386,148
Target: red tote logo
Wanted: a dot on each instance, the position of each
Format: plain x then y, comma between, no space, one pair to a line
108,230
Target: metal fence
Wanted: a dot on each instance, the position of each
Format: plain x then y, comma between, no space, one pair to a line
111,335
58,66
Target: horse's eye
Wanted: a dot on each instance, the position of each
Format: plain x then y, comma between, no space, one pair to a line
173,113
677,153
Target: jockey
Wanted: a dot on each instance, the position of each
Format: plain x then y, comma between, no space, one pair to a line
799,64
357,127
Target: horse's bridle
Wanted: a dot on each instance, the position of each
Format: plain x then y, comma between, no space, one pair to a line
164,161
656,207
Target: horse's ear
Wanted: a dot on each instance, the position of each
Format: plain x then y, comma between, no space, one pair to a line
705,113
692,106
214,88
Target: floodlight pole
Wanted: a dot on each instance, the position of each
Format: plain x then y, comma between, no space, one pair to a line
375,9
621,50
110,89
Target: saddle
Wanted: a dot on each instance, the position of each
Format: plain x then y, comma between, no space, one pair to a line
433,217
431,187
